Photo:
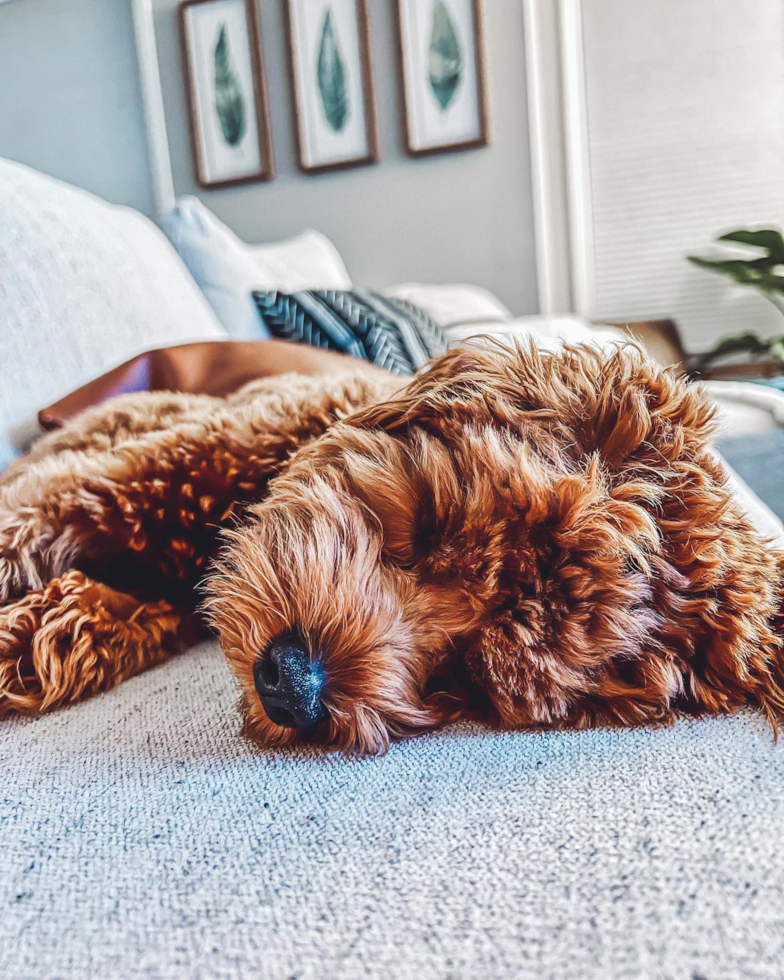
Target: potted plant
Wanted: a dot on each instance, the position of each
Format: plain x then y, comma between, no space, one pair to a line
763,272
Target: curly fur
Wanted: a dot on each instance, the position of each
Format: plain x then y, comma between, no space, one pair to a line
544,540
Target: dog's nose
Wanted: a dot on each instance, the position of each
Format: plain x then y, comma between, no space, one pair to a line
290,684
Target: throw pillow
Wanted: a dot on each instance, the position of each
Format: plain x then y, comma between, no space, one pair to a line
227,269
391,333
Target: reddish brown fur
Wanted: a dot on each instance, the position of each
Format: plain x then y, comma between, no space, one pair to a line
75,638
545,539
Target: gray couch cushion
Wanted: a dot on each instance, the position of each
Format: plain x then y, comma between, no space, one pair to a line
759,459
141,837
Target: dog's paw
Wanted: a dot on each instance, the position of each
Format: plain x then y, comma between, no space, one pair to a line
13,581
32,554
75,638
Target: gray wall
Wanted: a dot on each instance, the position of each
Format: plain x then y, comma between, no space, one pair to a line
69,95
70,105
463,217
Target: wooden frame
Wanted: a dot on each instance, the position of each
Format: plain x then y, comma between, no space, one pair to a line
483,139
368,96
261,107
555,226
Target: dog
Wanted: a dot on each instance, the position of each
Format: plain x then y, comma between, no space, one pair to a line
540,540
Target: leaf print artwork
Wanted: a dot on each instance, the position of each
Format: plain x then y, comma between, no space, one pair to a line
445,62
229,103
331,74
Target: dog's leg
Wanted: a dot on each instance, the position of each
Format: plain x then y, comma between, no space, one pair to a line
159,505
161,496
75,638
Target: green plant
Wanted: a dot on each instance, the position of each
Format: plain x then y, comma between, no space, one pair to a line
763,273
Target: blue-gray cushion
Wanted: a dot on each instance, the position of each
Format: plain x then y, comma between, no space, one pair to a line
392,333
759,460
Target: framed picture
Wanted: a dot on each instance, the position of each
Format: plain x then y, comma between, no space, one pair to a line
332,77
227,92
442,55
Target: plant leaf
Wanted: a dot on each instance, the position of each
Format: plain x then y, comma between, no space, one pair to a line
331,74
753,272
766,238
445,63
742,343
229,103
744,271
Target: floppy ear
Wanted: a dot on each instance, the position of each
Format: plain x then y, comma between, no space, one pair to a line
445,392
382,478
611,402
410,485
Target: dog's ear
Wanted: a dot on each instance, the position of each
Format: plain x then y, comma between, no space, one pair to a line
614,402
410,485
385,483
445,392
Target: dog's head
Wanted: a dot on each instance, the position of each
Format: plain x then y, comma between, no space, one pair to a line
485,535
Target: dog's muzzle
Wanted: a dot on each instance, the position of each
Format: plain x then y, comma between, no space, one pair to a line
290,684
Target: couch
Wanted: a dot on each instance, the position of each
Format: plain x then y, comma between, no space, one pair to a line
140,836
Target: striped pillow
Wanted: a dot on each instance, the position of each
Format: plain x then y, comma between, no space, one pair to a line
392,333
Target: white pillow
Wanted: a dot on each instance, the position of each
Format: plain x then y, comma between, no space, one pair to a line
548,332
84,285
228,270
452,306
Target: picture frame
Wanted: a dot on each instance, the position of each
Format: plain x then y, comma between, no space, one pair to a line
332,80
226,92
444,75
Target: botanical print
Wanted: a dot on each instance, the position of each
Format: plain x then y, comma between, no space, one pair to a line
443,77
330,59
229,103
445,65
331,74
226,91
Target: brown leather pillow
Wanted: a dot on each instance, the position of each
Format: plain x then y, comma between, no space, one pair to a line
210,368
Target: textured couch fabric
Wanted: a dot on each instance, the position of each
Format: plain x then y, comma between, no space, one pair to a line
141,837
84,286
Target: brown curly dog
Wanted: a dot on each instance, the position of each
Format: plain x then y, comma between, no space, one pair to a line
544,540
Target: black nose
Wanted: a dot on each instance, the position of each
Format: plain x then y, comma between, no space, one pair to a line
290,684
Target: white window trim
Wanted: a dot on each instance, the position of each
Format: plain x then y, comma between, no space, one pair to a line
152,102
560,160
